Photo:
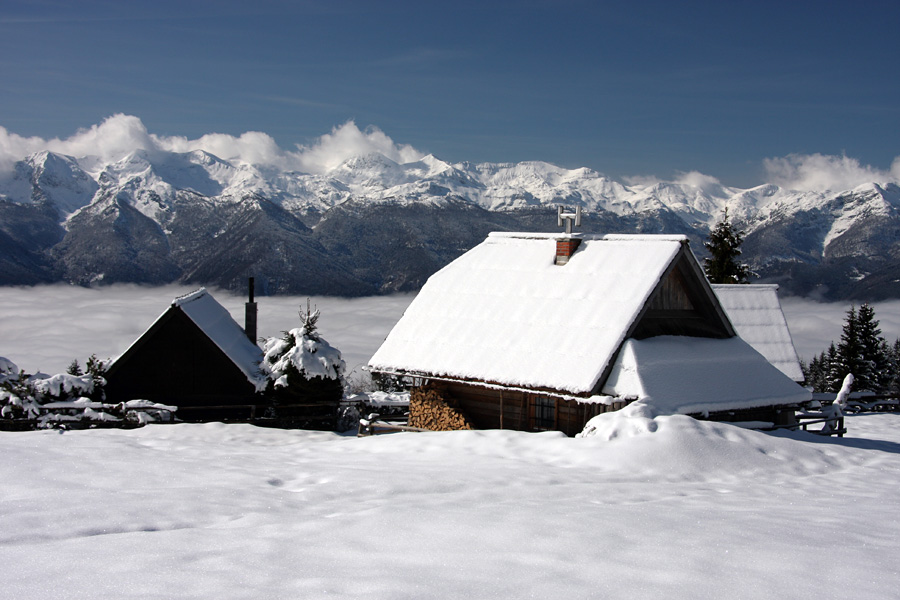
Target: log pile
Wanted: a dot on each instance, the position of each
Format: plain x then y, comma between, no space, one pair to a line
429,409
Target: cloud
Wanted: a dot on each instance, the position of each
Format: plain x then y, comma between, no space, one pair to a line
347,141
252,147
110,140
707,183
815,325
46,327
120,134
819,172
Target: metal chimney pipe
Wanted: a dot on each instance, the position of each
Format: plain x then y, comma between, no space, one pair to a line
250,315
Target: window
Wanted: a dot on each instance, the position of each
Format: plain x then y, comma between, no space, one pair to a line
544,412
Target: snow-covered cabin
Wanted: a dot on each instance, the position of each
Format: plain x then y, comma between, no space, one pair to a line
195,357
544,331
756,314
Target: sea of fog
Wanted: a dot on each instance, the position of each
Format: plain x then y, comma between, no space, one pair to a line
44,328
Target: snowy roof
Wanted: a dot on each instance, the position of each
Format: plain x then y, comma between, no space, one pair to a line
695,375
215,321
505,313
756,314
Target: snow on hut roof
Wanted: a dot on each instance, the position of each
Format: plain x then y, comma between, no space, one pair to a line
216,322
505,313
696,375
756,314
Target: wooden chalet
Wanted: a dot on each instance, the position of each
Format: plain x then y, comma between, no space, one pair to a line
195,357
544,331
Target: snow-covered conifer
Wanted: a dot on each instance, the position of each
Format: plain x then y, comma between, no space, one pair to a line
724,245
302,367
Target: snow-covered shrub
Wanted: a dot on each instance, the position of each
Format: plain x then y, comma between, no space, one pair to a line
348,416
306,374
17,398
61,386
56,400
7,369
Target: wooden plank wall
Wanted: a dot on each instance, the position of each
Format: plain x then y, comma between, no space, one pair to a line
489,408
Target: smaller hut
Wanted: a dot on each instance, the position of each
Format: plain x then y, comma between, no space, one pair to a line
755,312
195,357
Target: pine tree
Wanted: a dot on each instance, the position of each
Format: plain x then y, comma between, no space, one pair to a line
306,375
96,368
894,354
850,353
833,374
816,373
724,245
875,361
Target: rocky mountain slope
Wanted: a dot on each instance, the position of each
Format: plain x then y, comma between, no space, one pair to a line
371,225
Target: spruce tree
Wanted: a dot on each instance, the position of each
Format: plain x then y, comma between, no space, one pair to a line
833,374
306,375
817,373
875,362
850,353
894,354
724,245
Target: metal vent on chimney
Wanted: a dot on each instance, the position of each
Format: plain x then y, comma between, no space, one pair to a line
568,242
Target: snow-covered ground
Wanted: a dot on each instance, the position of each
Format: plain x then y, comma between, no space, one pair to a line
667,508
690,510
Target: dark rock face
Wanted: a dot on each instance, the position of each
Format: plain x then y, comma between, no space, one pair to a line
111,242
860,263
27,233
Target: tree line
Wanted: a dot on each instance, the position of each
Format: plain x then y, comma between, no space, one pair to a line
862,351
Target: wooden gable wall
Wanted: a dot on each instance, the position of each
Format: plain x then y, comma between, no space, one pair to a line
683,303
175,363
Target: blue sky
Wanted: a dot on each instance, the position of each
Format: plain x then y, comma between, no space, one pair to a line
637,88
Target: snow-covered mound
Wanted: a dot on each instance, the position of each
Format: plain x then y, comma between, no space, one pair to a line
636,439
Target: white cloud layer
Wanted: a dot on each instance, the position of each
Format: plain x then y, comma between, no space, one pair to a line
121,134
45,327
819,172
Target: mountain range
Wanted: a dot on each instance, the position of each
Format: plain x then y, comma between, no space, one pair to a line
371,225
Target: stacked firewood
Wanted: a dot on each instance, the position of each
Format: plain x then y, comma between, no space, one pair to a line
429,409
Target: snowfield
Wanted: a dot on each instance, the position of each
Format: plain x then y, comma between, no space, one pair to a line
663,507
667,508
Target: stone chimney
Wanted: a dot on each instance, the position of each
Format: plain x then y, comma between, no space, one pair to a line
568,242
250,316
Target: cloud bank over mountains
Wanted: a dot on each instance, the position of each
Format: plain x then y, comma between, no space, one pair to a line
121,134
817,172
